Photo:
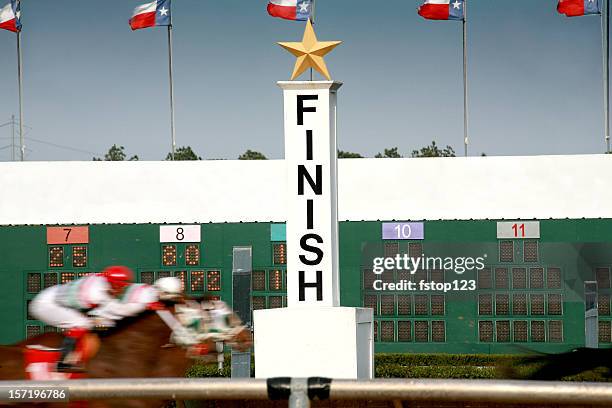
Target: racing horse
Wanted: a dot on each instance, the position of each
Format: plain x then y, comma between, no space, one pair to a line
136,348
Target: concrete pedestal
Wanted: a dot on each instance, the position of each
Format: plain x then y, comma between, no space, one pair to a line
334,342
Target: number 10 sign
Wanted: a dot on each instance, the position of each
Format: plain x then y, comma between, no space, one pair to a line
403,230
179,233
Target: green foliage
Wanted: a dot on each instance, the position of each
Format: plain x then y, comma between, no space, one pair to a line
601,374
465,366
252,155
115,153
469,366
348,155
400,371
200,370
441,359
183,153
434,151
389,154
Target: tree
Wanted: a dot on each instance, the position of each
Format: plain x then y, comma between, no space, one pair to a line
434,151
184,153
389,154
348,155
115,153
252,155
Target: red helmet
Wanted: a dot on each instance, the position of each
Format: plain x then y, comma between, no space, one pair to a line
118,276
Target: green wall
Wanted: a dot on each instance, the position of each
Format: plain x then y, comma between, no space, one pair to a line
576,247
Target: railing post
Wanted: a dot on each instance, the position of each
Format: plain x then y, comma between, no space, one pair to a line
299,393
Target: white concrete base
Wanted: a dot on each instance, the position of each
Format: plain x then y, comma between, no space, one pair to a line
334,342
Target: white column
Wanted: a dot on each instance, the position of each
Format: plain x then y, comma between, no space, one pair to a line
312,196
323,339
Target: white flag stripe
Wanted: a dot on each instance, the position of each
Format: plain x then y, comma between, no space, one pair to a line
145,8
6,13
288,3
437,1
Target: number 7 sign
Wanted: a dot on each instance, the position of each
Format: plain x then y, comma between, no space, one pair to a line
69,234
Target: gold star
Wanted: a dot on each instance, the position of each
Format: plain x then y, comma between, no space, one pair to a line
310,52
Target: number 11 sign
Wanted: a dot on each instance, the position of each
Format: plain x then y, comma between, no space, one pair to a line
518,229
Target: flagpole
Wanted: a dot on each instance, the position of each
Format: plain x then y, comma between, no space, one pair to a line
12,137
465,81
605,32
20,80
171,92
312,20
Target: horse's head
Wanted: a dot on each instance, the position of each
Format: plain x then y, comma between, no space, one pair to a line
242,340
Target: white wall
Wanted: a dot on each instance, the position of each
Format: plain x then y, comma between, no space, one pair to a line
369,189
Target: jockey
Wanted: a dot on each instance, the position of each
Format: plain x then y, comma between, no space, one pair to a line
137,298
65,306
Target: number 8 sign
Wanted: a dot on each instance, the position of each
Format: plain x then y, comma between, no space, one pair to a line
179,233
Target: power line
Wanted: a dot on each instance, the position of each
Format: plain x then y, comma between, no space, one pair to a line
63,147
59,146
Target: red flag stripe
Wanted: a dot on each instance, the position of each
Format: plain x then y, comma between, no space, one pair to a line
143,20
571,8
434,11
286,12
9,25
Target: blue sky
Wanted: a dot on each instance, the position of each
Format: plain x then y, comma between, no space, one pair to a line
90,82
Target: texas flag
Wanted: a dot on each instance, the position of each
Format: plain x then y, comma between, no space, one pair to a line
290,9
574,8
442,9
156,13
10,16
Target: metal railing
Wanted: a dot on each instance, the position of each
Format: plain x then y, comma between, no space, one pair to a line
495,391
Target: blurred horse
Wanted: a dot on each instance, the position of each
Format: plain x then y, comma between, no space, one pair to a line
136,347
578,361
554,367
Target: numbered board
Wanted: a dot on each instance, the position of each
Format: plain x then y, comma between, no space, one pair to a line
518,229
67,235
403,230
179,233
